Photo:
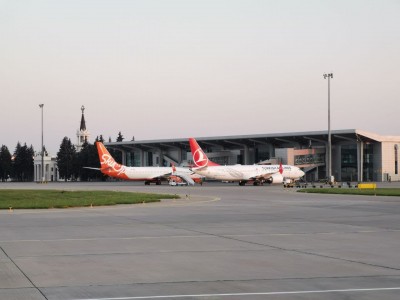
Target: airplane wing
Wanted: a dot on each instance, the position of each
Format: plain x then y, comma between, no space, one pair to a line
90,168
184,177
263,176
166,176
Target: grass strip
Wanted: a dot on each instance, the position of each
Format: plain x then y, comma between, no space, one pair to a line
355,191
31,199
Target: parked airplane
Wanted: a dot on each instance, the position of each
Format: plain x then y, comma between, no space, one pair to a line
111,168
242,173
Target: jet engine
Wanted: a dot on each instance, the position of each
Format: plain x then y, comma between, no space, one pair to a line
275,178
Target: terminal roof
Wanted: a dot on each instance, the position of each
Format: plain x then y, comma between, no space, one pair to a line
278,140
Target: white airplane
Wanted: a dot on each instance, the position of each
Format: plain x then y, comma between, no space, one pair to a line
242,173
111,168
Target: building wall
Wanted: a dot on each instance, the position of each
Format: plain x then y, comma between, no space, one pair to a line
50,169
388,161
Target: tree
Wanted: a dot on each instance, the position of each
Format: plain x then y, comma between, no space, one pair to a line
5,163
117,154
120,137
30,166
67,159
16,164
100,139
88,157
23,163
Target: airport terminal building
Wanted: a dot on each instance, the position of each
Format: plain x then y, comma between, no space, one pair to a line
356,155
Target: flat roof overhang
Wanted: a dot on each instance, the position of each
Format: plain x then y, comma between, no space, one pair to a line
278,140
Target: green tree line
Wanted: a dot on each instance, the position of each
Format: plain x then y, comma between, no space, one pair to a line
19,166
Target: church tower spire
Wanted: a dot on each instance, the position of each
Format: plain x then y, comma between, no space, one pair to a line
83,123
82,134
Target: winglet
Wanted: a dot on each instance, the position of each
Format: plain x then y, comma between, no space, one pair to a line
200,159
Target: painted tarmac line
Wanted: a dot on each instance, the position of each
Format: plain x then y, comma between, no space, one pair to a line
250,294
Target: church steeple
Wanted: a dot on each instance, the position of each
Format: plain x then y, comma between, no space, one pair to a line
82,134
83,123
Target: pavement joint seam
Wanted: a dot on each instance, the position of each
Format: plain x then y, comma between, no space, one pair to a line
270,246
221,280
292,250
23,273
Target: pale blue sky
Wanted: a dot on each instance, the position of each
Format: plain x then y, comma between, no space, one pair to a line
176,69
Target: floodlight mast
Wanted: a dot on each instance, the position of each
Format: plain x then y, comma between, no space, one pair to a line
329,169
42,152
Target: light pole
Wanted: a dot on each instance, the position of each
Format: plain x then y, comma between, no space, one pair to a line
329,76
42,152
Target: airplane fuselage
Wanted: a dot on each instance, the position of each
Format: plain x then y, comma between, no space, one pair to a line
146,173
248,172
110,167
242,173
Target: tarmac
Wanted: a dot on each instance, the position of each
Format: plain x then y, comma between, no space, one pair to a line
219,241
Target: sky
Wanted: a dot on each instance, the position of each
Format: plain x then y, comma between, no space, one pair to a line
165,69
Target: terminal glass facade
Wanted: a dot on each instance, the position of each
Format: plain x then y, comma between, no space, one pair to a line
261,155
368,163
222,160
133,159
349,162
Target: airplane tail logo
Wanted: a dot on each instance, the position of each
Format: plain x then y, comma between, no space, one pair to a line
280,168
200,159
108,165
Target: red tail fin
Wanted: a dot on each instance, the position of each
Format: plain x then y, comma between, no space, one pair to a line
200,159
280,168
107,163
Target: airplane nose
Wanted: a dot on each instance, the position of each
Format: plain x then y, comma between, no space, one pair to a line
301,173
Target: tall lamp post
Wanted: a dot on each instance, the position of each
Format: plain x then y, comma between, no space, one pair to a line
329,76
42,152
